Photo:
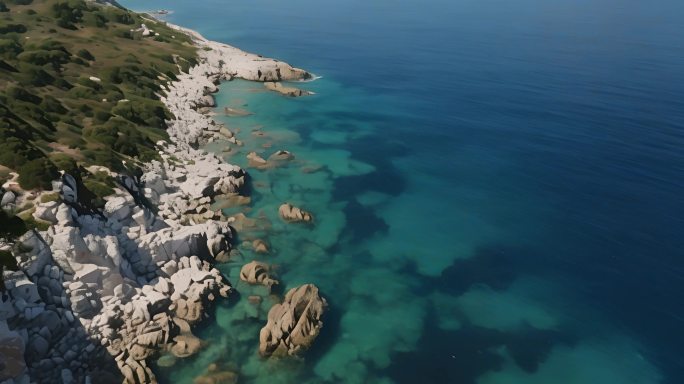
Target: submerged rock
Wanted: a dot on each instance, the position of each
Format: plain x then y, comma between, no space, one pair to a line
255,160
281,156
213,376
294,324
236,112
260,246
289,212
287,91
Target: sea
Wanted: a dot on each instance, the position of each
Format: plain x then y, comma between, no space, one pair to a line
497,186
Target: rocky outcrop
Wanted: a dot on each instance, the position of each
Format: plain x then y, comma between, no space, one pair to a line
122,285
256,272
234,62
287,91
186,97
290,213
294,324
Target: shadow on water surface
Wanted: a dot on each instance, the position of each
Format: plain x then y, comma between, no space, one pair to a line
497,266
362,222
463,355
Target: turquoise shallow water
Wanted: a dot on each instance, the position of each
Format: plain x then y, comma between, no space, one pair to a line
496,186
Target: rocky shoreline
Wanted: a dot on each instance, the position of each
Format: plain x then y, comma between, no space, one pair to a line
100,294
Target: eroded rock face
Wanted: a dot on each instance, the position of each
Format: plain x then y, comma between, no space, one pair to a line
256,272
294,324
290,213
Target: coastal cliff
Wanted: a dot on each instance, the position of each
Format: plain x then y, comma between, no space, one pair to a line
98,292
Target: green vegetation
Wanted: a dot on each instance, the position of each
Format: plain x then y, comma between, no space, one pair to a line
49,197
79,85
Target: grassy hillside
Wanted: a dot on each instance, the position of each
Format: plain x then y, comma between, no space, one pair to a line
78,86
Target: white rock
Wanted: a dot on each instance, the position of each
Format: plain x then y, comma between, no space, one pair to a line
117,208
7,198
89,274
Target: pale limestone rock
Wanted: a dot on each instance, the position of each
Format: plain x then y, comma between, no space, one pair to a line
290,213
7,198
294,324
255,272
47,211
287,91
117,208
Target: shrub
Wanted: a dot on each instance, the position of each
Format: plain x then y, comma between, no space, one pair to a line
93,19
62,84
3,7
85,54
35,75
9,49
50,104
65,163
37,173
9,28
20,93
68,13
55,57
49,197
6,66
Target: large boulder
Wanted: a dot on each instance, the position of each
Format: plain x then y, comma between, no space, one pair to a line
290,213
118,207
7,198
255,272
294,324
47,211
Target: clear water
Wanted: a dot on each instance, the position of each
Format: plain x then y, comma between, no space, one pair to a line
499,190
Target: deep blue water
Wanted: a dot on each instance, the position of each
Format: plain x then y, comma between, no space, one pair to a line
525,189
